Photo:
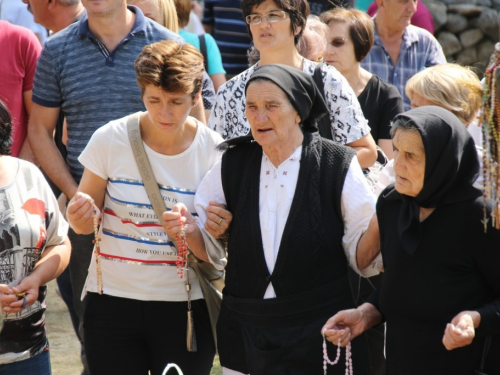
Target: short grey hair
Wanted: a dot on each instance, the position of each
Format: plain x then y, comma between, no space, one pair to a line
69,3
403,124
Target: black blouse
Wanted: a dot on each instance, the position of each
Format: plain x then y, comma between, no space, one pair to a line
455,268
380,103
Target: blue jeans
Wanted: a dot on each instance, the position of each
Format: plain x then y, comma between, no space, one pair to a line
37,365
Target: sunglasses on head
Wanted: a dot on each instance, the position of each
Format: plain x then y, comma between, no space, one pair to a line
338,42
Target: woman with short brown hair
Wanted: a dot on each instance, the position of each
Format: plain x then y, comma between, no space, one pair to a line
138,325
349,41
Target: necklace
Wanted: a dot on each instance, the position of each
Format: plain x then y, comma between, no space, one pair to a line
97,249
348,357
182,251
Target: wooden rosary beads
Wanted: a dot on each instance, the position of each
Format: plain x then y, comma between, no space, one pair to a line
97,249
182,251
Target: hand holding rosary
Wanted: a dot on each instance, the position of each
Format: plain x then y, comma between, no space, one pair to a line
22,296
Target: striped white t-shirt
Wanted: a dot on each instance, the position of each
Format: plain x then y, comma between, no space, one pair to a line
137,256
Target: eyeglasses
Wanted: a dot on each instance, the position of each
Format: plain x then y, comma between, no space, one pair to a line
338,42
272,16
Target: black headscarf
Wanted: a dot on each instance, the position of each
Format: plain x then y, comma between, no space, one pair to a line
451,168
301,91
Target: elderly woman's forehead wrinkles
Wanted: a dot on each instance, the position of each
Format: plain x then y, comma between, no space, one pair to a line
265,92
409,142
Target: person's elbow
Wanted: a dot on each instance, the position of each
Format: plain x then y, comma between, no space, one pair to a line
218,80
41,125
366,151
363,261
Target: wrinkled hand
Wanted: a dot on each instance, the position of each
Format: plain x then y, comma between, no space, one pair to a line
460,332
10,303
344,326
218,220
80,210
177,219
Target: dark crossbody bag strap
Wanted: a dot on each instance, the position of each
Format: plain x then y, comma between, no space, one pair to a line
324,124
203,50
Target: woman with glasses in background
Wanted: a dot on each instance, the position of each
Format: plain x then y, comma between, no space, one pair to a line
349,41
276,28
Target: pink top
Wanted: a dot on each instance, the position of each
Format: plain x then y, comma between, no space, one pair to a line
422,17
20,50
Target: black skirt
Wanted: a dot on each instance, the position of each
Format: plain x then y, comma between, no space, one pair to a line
283,335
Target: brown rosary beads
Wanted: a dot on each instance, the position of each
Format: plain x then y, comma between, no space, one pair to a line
97,249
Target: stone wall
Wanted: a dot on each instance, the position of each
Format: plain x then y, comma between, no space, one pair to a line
466,29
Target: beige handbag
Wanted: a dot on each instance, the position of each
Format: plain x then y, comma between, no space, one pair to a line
211,279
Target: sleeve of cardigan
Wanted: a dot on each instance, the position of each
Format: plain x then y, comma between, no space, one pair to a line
210,189
373,299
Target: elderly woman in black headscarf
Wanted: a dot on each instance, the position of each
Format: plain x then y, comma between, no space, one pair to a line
301,208
441,291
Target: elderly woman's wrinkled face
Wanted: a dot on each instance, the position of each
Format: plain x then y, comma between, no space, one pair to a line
272,118
409,162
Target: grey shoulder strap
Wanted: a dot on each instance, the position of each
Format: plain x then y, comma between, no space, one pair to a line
148,178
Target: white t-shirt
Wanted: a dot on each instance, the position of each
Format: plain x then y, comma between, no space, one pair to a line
30,223
137,256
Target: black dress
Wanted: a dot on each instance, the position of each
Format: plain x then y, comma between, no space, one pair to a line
455,268
380,103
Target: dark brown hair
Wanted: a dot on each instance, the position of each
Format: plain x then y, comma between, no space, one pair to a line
176,68
298,10
360,28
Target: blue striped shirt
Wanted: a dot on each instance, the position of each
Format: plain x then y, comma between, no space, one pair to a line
92,85
230,32
419,50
